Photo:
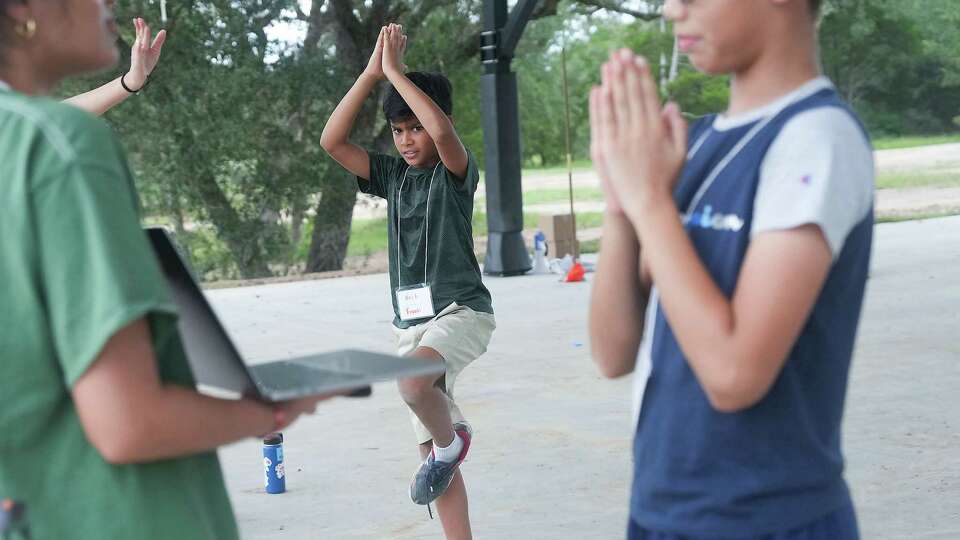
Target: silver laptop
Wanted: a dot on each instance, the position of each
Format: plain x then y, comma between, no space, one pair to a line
217,364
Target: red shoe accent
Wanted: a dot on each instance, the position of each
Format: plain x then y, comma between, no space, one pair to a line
465,437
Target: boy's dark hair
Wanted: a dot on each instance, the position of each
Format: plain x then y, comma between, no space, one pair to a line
435,85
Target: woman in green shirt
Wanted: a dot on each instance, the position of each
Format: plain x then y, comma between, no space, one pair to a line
104,434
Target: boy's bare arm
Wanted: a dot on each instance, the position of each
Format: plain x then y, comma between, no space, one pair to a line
622,285
431,117
335,138
619,300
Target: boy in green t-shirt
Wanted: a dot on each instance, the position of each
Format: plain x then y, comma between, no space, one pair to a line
442,310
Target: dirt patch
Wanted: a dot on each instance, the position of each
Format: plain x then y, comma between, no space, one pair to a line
921,158
912,201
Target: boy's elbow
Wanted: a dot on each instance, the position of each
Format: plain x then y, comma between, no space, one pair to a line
330,139
121,441
729,403
735,392
117,448
613,370
327,142
614,350
613,364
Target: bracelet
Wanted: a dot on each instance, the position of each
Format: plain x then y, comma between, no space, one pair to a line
123,83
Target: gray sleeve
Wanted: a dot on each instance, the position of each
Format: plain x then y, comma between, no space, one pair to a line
819,170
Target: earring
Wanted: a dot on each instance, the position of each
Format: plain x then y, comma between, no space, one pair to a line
27,29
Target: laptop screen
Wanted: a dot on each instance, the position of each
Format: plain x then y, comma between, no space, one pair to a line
213,358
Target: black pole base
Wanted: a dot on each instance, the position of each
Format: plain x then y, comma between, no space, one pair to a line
506,255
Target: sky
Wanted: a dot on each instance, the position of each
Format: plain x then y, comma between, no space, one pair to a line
290,32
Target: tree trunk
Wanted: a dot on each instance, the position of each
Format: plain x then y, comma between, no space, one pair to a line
296,224
242,238
331,225
244,244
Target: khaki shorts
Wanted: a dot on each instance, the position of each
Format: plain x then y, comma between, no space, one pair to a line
460,335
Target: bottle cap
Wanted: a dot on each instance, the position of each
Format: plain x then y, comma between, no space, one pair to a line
273,438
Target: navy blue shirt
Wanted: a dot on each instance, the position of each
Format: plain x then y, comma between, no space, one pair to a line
777,464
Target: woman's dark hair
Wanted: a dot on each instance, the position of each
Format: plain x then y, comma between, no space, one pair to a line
434,85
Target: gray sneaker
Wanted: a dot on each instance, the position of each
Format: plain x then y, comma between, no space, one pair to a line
434,477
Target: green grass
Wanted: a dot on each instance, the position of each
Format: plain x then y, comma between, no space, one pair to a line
884,143
589,220
531,221
918,216
578,165
917,179
368,236
911,142
590,246
542,196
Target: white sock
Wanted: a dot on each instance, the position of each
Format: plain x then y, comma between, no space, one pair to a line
451,453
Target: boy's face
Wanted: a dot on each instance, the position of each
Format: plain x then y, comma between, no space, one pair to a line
719,36
414,143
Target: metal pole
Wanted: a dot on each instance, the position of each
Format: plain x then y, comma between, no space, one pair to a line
566,103
506,251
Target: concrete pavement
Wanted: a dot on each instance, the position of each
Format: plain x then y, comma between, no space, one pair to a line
551,456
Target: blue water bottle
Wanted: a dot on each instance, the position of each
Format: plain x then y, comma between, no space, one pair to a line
540,243
276,477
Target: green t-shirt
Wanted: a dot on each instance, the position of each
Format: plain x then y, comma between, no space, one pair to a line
444,258
76,268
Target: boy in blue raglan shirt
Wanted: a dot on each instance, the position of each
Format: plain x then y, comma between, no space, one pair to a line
732,275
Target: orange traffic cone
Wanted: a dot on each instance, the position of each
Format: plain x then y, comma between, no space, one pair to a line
576,273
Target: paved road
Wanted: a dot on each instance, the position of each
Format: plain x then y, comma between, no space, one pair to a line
551,459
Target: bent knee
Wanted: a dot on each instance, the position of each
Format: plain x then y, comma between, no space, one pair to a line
415,389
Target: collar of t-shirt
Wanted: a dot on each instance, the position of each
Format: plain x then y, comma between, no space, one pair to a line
807,89
3,85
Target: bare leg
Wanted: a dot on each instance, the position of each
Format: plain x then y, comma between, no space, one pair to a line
452,505
427,401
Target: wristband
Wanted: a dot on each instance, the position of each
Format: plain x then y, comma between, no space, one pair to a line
123,83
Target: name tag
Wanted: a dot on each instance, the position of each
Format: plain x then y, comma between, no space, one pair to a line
415,302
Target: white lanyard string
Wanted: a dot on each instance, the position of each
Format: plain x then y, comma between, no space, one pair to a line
725,161
426,250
